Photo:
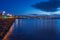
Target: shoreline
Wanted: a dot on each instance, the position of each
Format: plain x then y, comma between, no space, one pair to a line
8,33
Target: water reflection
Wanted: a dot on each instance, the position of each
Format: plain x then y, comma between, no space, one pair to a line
35,29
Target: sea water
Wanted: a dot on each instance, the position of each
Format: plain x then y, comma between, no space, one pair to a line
36,29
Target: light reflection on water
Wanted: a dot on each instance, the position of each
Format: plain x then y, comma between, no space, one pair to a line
36,29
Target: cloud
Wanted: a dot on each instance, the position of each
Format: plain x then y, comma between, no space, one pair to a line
50,6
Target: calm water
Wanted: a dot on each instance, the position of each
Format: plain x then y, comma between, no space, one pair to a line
36,29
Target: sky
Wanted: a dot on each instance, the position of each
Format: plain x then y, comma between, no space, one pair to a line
18,7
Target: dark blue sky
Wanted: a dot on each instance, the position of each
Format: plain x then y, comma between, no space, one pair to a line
19,6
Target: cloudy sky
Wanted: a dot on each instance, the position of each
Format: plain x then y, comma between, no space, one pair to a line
18,7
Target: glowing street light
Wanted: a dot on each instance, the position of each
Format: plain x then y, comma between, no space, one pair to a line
3,13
